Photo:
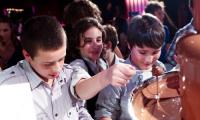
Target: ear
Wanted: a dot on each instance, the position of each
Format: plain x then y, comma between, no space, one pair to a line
107,45
26,55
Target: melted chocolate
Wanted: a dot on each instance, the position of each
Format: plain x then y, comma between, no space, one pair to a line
188,50
166,106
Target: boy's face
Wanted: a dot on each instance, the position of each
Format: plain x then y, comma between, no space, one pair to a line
160,14
145,57
91,44
47,64
5,34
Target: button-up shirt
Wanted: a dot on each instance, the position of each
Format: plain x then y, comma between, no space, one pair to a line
56,103
115,102
187,29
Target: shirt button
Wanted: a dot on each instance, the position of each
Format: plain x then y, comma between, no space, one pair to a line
56,115
12,72
69,114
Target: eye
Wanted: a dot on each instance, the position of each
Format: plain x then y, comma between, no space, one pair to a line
5,30
155,52
87,40
99,40
142,52
48,64
62,59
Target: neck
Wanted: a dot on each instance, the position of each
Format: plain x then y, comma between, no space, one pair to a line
49,82
111,59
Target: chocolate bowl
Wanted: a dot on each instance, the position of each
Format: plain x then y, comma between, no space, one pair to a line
158,98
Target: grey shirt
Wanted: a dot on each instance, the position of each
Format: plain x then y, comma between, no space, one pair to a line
116,102
57,103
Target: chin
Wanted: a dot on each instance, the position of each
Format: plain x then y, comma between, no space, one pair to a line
146,67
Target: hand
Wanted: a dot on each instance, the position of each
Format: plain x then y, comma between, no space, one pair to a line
120,74
157,70
176,58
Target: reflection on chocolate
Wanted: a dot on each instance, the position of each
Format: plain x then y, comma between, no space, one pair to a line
188,50
150,103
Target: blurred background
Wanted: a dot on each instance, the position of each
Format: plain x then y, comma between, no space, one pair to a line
20,10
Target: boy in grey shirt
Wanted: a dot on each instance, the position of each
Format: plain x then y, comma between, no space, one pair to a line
145,39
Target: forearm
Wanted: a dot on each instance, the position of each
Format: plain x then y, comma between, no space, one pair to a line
87,88
118,52
117,75
105,118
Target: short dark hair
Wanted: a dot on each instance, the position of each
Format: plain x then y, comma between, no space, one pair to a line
42,32
153,6
111,35
80,9
146,30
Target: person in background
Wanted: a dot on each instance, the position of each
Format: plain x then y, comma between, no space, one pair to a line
145,38
57,89
73,12
109,44
10,48
185,30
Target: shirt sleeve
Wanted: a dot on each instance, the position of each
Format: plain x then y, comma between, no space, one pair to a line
108,103
78,74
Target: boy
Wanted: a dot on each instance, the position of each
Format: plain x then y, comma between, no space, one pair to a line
157,8
57,89
109,44
73,12
145,38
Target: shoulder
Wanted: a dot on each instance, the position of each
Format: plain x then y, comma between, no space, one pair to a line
118,60
78,63
103,64
74,68
187,28
12,75
111,92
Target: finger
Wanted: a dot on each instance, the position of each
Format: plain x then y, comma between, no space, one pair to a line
127,70
120,82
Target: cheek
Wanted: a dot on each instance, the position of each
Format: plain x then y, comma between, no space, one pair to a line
85,49
7,35
157,56
136,58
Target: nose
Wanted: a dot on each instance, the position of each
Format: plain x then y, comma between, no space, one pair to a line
57,67
97,44
149,59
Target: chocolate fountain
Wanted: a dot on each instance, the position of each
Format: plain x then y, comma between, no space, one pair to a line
188,50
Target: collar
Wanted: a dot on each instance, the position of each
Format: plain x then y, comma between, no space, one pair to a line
96,67
32,77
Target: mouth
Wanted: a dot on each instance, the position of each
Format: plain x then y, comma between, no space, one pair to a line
147,65
54,75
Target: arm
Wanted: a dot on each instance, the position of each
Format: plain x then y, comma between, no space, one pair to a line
108,103
104,118
118,52
117,75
